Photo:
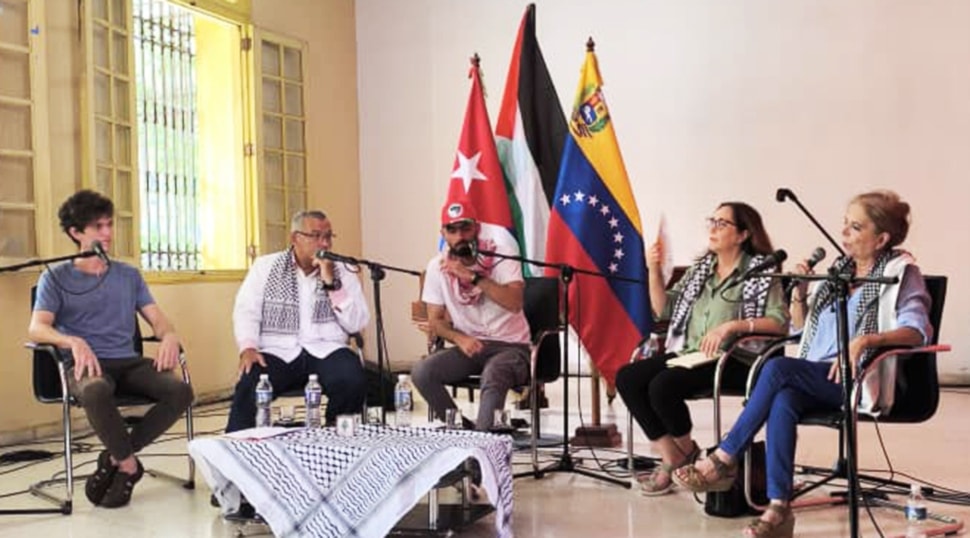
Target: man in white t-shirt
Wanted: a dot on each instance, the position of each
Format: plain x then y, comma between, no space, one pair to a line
474,302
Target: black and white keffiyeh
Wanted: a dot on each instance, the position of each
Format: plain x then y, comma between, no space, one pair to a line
866,311
754,293
317,483
281,299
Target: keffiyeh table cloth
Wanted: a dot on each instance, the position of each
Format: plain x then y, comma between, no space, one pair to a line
313,482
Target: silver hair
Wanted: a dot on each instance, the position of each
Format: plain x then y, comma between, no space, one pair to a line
296,223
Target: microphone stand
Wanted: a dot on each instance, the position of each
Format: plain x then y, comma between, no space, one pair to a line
784,194
65,508
378,271
841,282
565,464
849,466
36,262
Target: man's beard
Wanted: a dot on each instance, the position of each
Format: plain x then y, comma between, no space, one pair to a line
464,249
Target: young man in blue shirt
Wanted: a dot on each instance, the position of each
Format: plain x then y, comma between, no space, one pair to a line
87,308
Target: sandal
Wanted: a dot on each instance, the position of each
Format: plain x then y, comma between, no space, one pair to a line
785,528
689,477
649,483
651,486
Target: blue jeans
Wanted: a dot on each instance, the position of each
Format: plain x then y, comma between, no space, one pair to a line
786,389
341,375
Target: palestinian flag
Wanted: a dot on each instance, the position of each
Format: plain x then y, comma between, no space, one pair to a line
530,134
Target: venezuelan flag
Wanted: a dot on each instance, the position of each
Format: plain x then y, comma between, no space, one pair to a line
595,225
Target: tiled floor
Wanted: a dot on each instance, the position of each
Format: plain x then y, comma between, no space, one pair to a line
559,505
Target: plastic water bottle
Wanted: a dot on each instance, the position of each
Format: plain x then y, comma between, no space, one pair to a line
312,395
402,400
915,512
651,347
264,402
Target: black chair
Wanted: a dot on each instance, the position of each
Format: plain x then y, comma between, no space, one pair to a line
747,346
917,397
50,370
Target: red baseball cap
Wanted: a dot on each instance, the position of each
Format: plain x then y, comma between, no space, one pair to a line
457,211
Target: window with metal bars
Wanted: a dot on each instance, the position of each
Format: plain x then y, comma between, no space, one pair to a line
167,115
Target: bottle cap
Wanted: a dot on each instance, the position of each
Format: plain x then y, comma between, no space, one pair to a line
264,376
402,377
313,377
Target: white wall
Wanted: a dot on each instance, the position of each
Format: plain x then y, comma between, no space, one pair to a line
711,100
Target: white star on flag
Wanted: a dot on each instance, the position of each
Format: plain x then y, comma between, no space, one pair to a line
593,200
618,253
614,222
618,237
468,171
565,199
614,268
579,196
604,210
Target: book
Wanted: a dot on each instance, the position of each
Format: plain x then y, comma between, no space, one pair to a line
691,360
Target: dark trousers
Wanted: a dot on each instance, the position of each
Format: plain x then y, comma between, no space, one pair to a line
657,395
133,377
502,366
341,375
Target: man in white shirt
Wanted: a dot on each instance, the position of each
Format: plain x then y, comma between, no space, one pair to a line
474,302
293,317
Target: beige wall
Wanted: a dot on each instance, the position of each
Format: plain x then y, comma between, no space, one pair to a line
711,101
201,311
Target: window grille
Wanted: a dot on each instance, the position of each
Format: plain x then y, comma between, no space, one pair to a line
167,115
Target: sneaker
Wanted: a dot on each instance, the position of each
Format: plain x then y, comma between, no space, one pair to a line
119,493
97,484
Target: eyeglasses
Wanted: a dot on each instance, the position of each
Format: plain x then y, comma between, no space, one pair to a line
317,236
718,224
456,227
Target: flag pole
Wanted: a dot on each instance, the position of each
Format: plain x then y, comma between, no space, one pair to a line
595,433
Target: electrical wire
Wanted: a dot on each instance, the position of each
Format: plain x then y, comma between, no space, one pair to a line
600,466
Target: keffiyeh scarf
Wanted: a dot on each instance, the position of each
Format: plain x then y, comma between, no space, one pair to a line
754,293
866,311
281,299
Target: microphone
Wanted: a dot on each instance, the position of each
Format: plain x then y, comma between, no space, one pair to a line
817,255
773,259
327,255
783,194
98,249
465,249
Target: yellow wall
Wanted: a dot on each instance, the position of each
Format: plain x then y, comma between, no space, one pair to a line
200,310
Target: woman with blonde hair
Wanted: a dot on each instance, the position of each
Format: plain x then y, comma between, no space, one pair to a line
880,315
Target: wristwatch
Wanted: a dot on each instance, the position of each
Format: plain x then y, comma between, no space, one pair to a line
476,278
333,286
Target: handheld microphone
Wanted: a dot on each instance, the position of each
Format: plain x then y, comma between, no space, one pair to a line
465,249
98,249
334,257
817,255
783,194
773,259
